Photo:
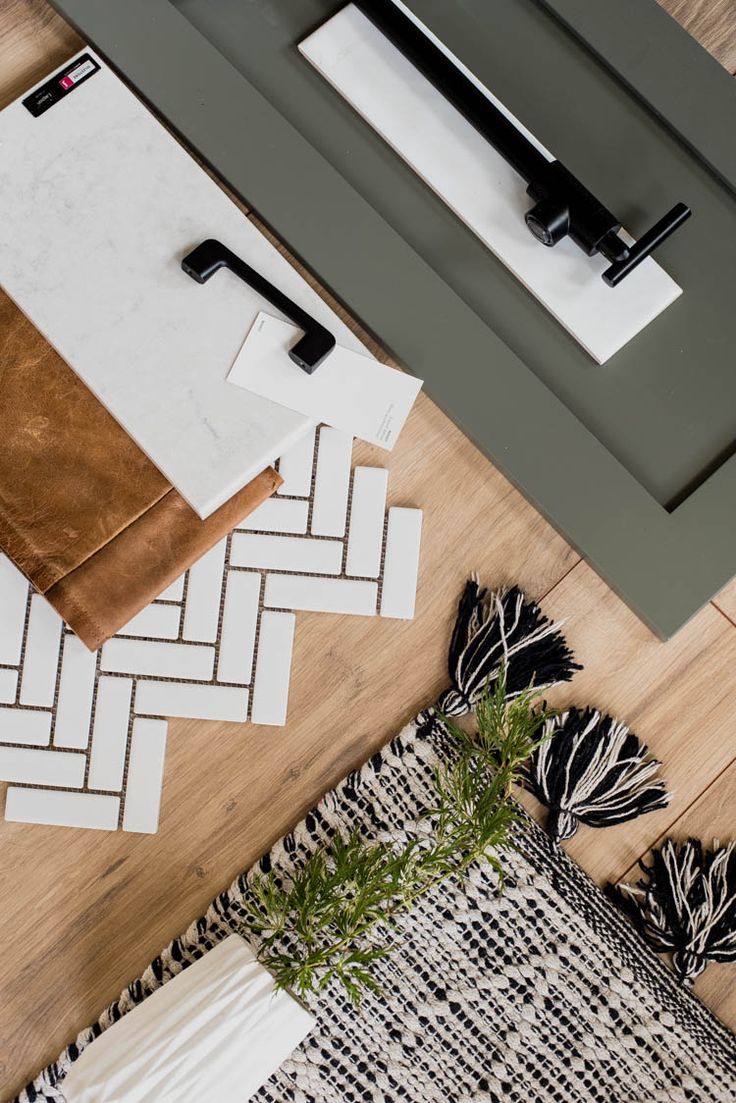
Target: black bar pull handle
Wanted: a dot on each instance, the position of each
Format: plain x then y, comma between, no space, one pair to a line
317,342
563,206
646,243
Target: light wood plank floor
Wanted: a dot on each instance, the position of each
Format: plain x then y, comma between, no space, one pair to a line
82,914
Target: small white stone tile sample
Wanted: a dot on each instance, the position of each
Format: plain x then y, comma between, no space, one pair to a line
38,683
13,601
332,482
239,623
295,467
159,621
110,734
62,809
195,702
202,611
174,592
42,767
401,567
278,515
76,691
145,775
367,511
8,685
286,553
476,182
25,726
273,668
321,595
158,659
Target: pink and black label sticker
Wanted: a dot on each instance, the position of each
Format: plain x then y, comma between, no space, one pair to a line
61,84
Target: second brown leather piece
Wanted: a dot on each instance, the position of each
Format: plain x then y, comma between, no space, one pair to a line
145,558
70,477
86,516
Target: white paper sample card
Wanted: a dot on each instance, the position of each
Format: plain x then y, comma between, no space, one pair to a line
98,206
482,189
349,391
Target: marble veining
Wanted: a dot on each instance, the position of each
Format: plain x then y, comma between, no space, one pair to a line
98,204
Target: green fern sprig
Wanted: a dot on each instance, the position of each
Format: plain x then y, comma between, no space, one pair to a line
336,915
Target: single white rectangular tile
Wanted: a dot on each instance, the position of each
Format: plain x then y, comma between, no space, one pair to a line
50,806
74,707
479,185
239,621
41,659
110,734
332,482
35,767
145,776
286,553
174,592
8,685
159,621
367,515
321,595
273,668
277,515
159,659
25,726
401,566
191,701
295,467
204,590
13,600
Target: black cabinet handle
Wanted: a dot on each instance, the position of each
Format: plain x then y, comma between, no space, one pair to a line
562,205
317,342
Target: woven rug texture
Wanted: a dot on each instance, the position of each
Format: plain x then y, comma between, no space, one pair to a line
542,994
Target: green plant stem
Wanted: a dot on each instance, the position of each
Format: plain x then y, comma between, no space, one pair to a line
321,924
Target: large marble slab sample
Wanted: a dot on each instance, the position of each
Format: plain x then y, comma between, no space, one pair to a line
475,181
98,205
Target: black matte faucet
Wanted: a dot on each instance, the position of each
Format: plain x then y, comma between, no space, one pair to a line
563,207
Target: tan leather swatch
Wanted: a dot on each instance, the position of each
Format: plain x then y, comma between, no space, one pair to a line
70,477
86,516
145,558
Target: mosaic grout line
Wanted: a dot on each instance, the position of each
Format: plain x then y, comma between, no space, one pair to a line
212,697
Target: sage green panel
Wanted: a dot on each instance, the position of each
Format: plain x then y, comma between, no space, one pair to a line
600,450
665,406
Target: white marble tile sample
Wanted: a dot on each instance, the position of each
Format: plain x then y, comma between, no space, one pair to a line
295,467
365,538
401,566
321,595
273,668
145,774
286,553
475,181
98,205
62,808
87,750
332,483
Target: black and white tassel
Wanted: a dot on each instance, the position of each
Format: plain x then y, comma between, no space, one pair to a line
591,769
497,632
685,904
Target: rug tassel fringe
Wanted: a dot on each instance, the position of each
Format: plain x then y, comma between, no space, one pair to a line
685,904
591,769
495,632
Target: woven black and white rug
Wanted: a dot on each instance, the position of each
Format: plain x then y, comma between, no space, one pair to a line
541,995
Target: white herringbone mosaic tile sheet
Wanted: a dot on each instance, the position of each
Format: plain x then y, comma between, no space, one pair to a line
83,735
